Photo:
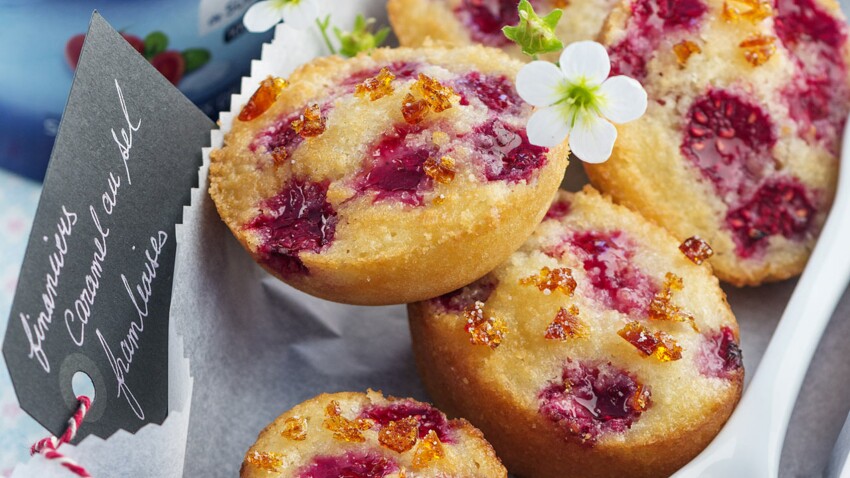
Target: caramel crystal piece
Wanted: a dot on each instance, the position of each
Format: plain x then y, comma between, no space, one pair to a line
483,330
441,170
640,399
295,428
401,435
684,49
696,249
311,123
344,429
265,460
279,155
566,325
263,98
413,110
758,49
438,97
661,307
753,11
659,344
376,87
433,97
551,280
429,450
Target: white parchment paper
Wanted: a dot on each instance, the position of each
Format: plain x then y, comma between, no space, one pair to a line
257,347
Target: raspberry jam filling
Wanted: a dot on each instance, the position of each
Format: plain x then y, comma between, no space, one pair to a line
429,418
350,465
617,283
485,18
506,152
592,399
299,219
819,96
818,104
730,140
498,93
396,170
558,210
719,355
778,207
459,300
281,139
651,21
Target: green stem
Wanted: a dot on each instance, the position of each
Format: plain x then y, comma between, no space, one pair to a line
323,27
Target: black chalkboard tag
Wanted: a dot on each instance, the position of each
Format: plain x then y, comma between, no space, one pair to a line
95,286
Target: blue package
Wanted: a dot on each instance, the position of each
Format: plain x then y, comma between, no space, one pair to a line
199,45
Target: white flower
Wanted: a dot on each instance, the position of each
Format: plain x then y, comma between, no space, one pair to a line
578,99
300,14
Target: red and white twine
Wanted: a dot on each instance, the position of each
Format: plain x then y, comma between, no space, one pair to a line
49,447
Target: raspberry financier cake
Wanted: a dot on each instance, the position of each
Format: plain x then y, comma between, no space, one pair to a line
740,143
364,177
368,436
464,22
599,349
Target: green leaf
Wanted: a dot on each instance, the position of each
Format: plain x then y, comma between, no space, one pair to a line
155,43
381,36
361,38
195,58
535,34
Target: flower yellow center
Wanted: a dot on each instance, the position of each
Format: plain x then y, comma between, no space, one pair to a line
579,99
286,3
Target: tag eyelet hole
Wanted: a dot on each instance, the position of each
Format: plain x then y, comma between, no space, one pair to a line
82,384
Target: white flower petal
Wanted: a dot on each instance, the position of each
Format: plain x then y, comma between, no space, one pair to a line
623,99
586,60
592,140
301,15
261,16
547,127
538,83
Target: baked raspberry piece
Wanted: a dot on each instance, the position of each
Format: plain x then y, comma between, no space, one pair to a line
592,399
739,146
428,417
465,22
357,179
365,435
719,355
613,278
598,342
650,22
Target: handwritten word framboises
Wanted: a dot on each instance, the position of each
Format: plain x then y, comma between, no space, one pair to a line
78,317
